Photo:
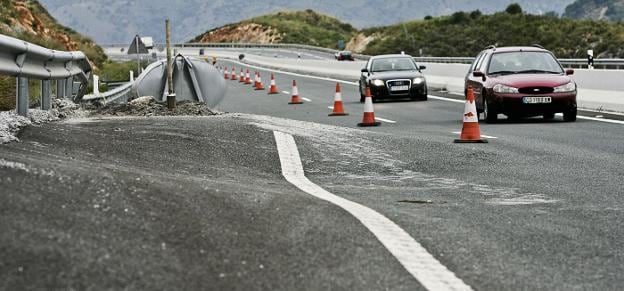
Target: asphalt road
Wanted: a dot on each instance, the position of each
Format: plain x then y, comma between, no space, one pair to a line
199,202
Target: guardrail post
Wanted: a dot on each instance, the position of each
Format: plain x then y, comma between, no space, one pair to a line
22,96
69,85
96,84
45,95
60,88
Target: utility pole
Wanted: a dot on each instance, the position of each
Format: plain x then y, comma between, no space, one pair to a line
136,41
171,97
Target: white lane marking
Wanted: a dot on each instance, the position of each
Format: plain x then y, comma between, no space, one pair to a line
306,99
597,119
330,107
286,92
483,135
602,111
414,258
385,120
295,74
447,99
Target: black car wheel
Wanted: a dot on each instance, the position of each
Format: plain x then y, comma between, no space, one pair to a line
570,115
362,96
489,114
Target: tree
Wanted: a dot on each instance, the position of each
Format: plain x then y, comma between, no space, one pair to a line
514,8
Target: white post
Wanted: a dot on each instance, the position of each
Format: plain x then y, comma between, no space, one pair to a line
96,84
131,76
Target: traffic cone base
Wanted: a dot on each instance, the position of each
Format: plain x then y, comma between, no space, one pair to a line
338,114
295,102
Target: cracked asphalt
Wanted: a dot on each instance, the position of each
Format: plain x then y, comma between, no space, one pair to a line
199,202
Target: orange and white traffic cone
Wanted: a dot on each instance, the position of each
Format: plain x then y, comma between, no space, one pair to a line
259,86
470,131
241,79
273,87
369,112
255,82
338,109
295,94
247,79
226,74
234,78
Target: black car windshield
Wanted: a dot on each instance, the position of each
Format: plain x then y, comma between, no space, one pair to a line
524,63
393,64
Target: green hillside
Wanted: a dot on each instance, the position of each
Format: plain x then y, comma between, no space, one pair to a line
465,34
302,27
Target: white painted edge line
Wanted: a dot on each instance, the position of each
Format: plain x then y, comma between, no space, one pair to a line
330,107
294,74
415,259
602,112
483,136
597,119
306,99
385,120
286,92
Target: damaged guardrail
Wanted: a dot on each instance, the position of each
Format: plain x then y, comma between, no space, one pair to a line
26,61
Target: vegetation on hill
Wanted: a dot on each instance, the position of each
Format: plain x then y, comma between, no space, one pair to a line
302,27
596,9
467,33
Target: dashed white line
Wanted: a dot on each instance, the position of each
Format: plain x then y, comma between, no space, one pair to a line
330,107
483,135
306,99
286,92
385,120
414,257
446,99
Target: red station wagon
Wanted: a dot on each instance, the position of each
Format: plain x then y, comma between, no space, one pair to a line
521,82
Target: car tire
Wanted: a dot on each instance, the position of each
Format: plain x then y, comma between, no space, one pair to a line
489,114
549,116
570,115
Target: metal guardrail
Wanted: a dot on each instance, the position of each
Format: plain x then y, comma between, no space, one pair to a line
26,61
113,95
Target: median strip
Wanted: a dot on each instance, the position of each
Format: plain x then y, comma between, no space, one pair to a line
412,255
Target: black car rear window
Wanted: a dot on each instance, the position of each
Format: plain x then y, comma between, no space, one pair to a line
523,62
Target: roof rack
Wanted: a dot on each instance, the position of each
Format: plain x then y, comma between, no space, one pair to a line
490,47
537,45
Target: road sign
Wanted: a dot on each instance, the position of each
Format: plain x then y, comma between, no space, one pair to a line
137,46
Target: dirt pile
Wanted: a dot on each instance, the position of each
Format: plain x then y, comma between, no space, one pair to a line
245,33
147,106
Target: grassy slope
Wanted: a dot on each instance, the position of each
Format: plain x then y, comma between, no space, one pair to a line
465,34
305,27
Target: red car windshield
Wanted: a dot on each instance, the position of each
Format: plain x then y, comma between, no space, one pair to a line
524,63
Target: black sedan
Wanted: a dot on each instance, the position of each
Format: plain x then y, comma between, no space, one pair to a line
393,76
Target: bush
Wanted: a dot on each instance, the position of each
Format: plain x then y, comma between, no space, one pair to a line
514,8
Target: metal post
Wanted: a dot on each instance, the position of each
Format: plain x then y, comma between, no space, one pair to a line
60,88
96,84
45,95
22,96
136,41
171,97
69,85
